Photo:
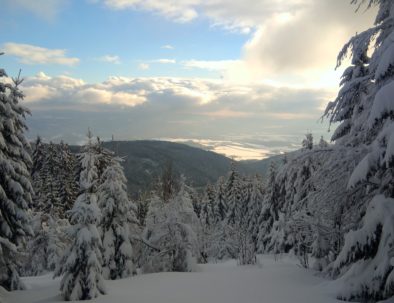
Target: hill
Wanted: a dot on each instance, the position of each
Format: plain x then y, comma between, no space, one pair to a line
145,159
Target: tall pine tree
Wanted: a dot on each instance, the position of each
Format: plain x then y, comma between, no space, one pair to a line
81,263
15,187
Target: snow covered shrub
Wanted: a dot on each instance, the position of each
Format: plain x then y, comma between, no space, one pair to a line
171,231
46,247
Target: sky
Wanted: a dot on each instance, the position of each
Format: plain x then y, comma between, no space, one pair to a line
244,78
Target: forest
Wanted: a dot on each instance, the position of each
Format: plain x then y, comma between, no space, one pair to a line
328,204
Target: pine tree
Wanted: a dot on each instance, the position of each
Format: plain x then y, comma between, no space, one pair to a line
255,203
323,143
68,185
234,196
15,187
171,228
114,226
307,143
220,205
208,223
46,247
81,263
269,209
365,261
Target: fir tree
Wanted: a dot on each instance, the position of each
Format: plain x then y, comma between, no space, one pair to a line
171,228
367,250
81,263
15,187
114,226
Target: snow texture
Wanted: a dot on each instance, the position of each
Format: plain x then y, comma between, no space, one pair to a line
279,281
383,103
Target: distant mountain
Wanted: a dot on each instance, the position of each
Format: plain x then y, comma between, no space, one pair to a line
145,159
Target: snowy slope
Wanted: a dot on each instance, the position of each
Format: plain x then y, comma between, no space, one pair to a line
271,282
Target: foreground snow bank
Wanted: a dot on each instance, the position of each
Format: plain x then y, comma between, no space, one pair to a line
279,281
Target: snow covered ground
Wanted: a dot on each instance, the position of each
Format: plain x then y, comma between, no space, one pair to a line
281,281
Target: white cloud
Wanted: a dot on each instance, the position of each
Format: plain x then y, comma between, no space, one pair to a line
291,42
143,66
66,92
174,107
302,46
180,11
236,14
31,54
46,9
110,59
168,46
165,61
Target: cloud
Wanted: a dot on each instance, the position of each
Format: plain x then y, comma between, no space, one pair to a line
133,108
46,9
31,54
176,10
110,59
143,66
63,92
237,14
292,42
168,46
304,43
165,61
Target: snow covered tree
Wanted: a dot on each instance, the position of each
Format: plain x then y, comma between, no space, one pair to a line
46,247
114,226
171,228
81,263
365,261
323,143
207,216
208,223
307,143
48,197
15,187
269,209
67,181
235,196
220,205
255,203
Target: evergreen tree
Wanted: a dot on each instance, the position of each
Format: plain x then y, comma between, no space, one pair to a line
47,245
114,225
254,206
269,209
307,143
220,205
235,196
81,263
171,228
365,261
15,187
68,185
208,223
323,143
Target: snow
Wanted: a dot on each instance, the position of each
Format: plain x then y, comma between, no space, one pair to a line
386,61
360,173
280,281
383,103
